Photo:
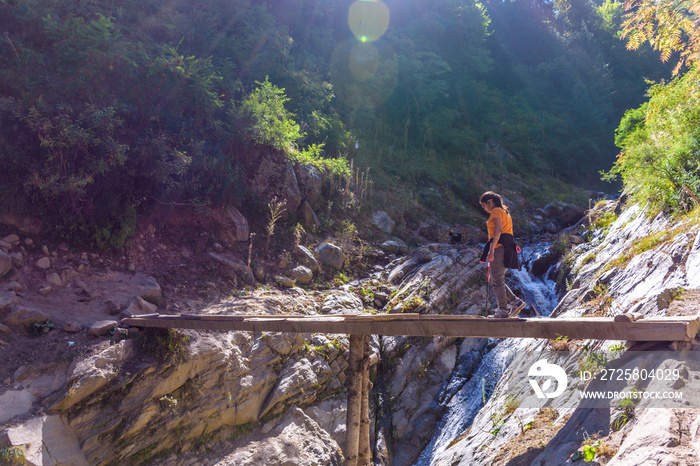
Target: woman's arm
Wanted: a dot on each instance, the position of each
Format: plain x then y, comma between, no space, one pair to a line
498,223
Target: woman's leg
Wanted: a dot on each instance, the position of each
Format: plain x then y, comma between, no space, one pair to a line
498,279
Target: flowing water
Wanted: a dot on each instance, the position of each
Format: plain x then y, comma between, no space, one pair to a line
474,379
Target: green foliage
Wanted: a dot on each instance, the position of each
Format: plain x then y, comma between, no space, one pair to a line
660,142
106,107
626,412
266,120
12,456
39,329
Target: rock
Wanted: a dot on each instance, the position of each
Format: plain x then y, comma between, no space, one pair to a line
309,180
284,281
576,239
295,439
5,264
54,279
15,403
403,247
24,224
551,227
5,329
17,258
567,214
47,440
12,239
275,177
137,307
72,327
235,224
147,287
259,272
307,258
24,317
5,247
45,290
331,255
383,222
7,298
69,274
102,327
43,263
308,216
330,415
383,298
342,302
302,275
236,264
390,247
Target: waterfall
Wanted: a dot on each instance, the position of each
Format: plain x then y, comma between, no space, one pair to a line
468,390
539,292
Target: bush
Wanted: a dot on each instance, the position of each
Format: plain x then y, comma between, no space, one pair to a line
660,142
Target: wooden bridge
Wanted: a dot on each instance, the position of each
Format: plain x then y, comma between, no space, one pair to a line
358,327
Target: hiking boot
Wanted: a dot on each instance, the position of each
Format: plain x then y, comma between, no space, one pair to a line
516,307
499,314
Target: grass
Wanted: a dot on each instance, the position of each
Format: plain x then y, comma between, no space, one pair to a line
12,456
166,345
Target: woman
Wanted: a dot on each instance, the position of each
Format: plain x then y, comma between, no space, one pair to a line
501,253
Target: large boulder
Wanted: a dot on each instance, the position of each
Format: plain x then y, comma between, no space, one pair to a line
309,180
234,263
24,224
25,316
330,254
46,440
383,222
234,224
302,275
275,177
308,216
566,214
307,258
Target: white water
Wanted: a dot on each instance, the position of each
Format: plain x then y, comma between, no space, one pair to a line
462,404
538,292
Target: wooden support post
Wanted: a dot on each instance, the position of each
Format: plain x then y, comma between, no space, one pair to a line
365,453
354,384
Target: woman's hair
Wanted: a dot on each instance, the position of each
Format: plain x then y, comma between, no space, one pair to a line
496,198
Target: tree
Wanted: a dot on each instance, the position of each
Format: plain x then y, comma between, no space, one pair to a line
669,26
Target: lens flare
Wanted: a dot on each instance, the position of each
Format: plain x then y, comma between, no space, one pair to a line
364,61
368,19
363,75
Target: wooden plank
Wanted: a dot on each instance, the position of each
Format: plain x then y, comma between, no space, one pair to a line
596,328
354,405
364,451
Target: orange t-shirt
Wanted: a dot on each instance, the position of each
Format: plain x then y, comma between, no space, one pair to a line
506,222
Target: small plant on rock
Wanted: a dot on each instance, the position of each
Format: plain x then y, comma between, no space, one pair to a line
166,345
12,456
276,209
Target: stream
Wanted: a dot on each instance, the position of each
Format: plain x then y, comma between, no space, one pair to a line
476,375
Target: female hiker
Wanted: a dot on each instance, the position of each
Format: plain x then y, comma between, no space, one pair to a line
501,253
